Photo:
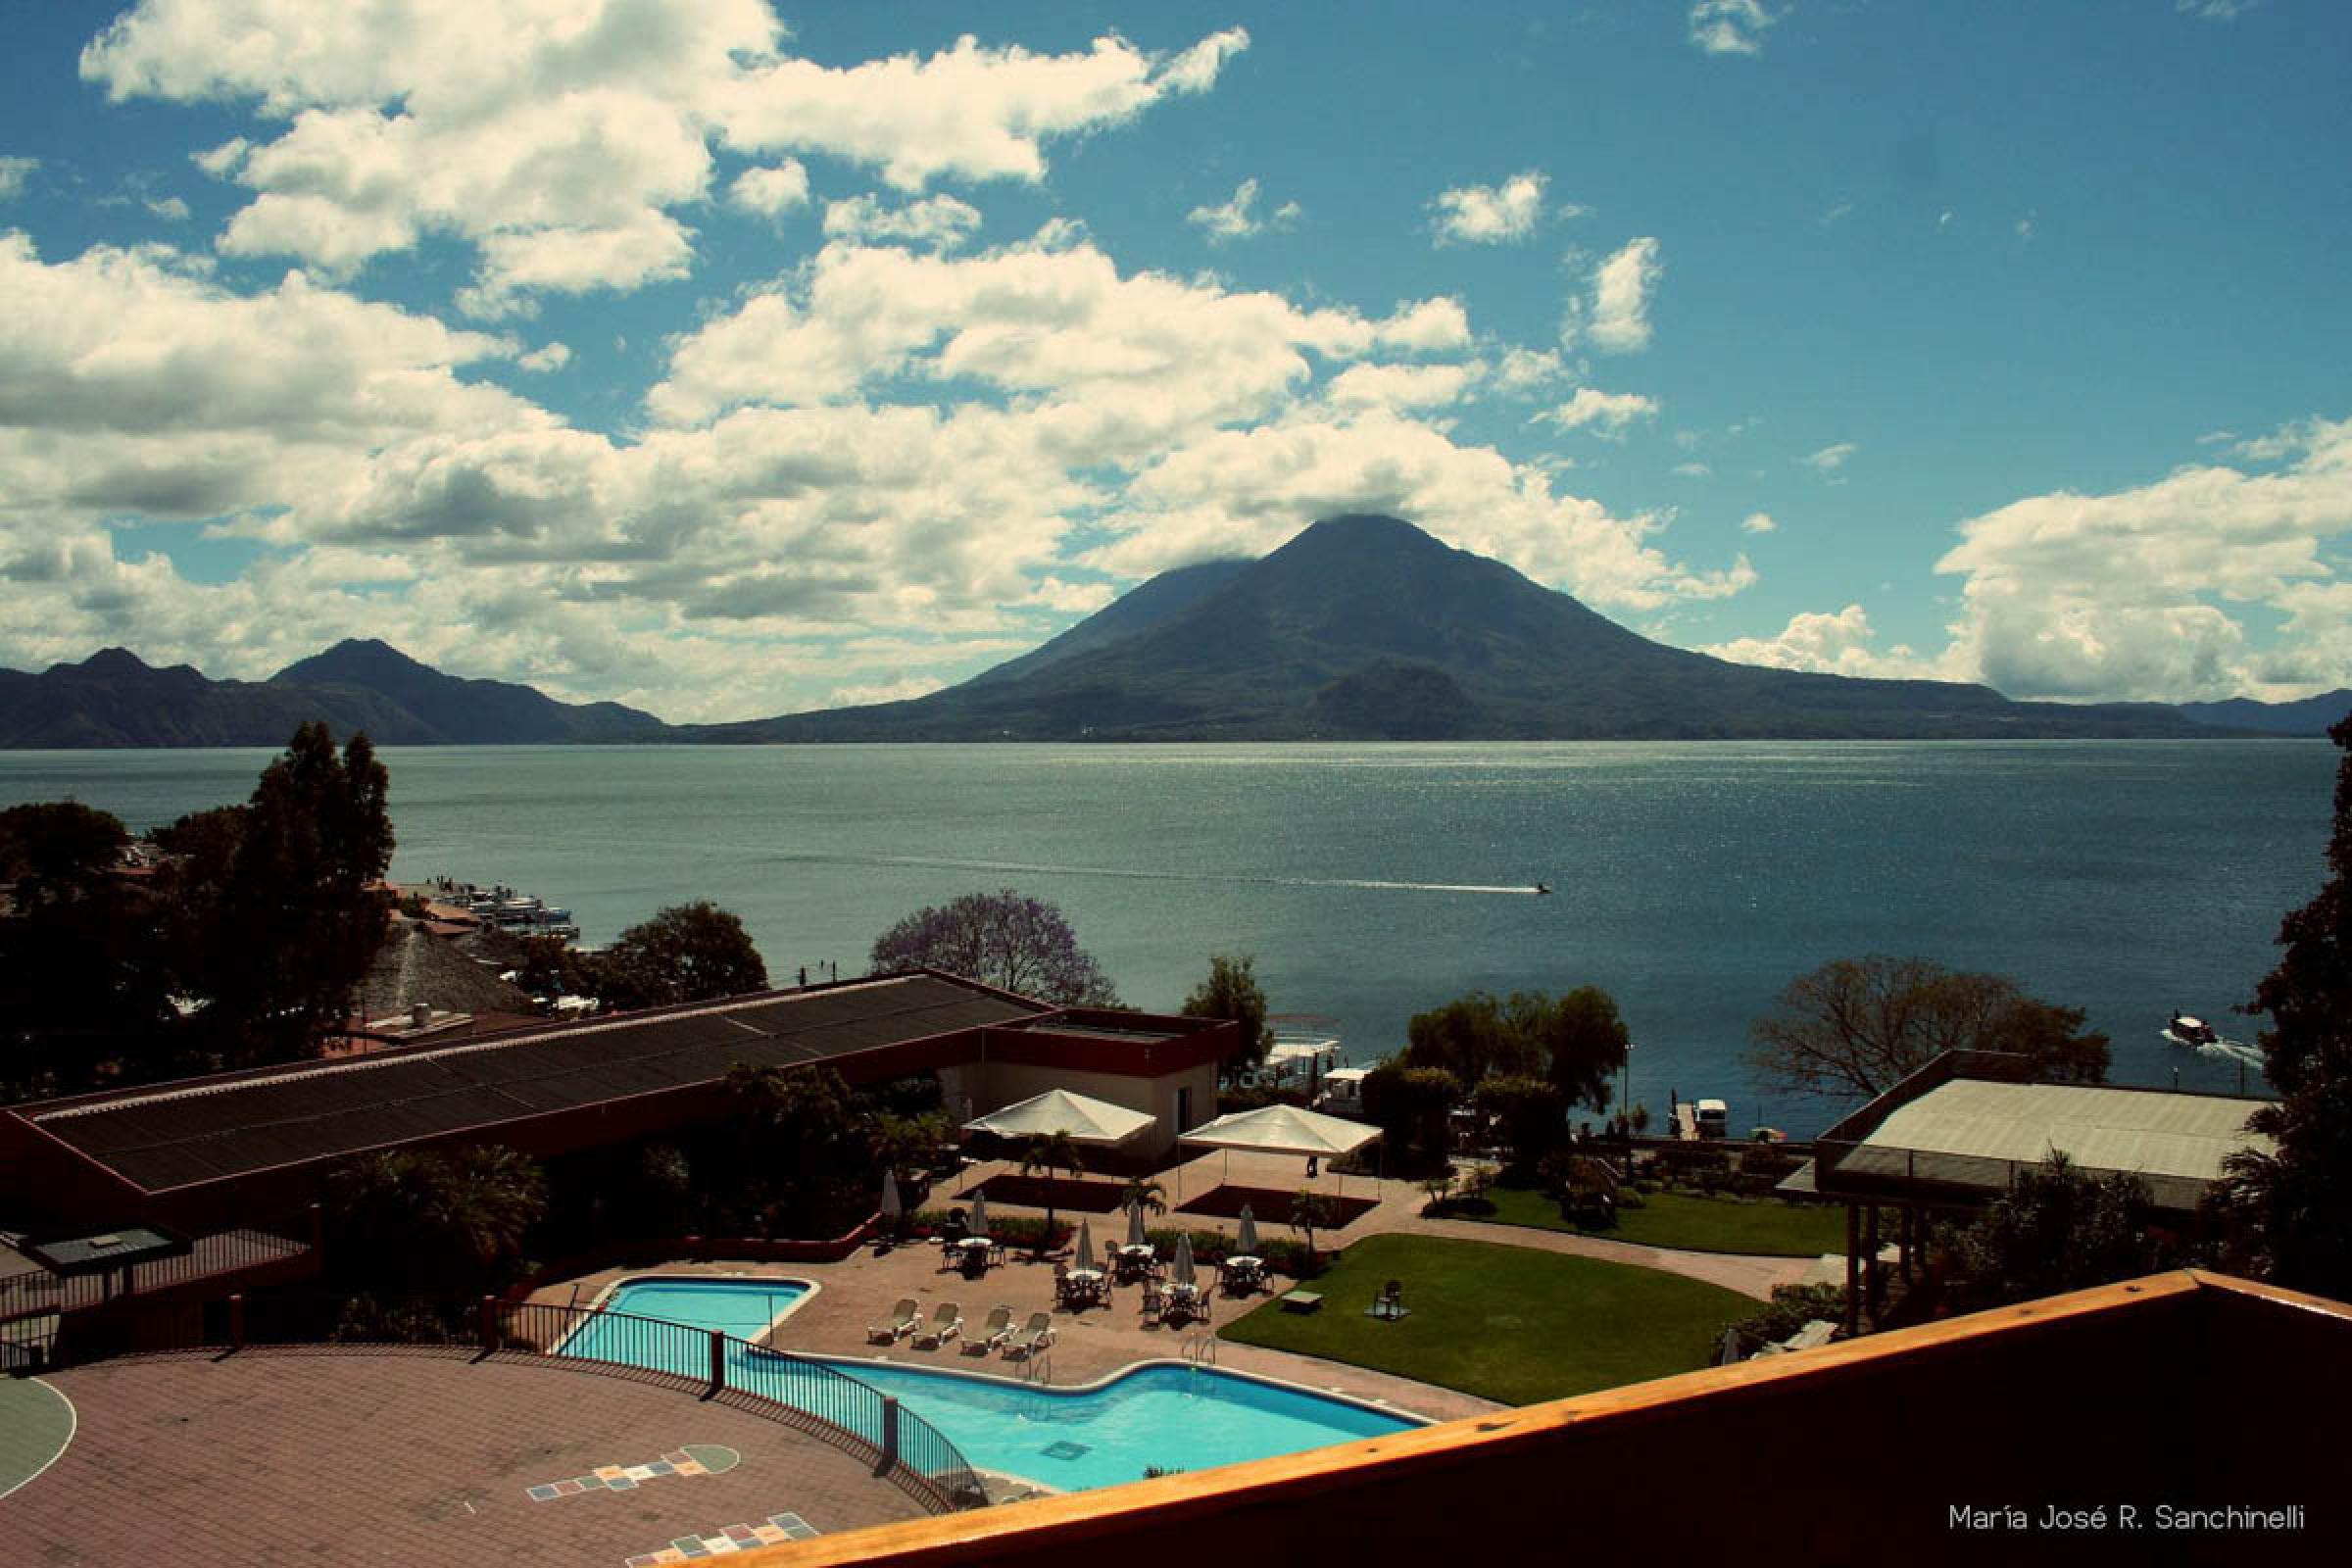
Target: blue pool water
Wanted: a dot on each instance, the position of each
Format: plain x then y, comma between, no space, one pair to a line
1174,1417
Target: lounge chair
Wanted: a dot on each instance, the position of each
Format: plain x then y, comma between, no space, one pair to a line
992,1332
902,1320
1032,1336
945,1325
1154,1301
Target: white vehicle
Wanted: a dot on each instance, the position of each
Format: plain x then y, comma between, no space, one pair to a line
1343,1092
1714,1118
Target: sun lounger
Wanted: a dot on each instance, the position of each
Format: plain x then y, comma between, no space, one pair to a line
1032,1336
991,1333
945,1325
902,1320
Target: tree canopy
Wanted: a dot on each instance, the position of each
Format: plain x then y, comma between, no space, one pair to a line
1577,1041
2056,1229
686,952
1002,939
2293,1206
421,1221
1855,1027
1230,991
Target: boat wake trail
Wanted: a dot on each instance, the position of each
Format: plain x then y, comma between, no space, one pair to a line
1130,873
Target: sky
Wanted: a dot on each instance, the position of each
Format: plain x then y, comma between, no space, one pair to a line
731,359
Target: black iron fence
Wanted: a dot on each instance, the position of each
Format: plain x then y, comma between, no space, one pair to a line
808,1395
268,1252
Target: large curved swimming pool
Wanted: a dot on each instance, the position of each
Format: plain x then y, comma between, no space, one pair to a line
1161,1415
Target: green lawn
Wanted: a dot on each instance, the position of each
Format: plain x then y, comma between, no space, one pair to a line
1767,1227
1504,1322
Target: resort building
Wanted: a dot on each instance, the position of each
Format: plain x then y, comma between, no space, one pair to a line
217,1151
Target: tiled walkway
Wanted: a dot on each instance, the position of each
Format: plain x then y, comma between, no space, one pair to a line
411,1459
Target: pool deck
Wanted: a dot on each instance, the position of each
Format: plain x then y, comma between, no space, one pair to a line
1094,1344
352,1455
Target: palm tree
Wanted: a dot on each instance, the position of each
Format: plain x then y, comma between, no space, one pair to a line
1310,1209
1051,1152
1142,1192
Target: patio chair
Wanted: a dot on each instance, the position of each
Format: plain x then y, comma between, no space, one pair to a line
991,1333
1032,1336
1154,1301
1390,1302
902,1320
945,1325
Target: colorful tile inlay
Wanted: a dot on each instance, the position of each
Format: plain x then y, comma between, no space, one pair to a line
780,1528
627,1476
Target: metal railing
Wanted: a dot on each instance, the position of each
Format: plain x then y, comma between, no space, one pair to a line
219,1256
795,1391
1201,1349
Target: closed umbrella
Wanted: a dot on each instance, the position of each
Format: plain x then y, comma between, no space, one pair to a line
891,1207
1247,1239
979,1221
1180,1272
1134,1225
1086,1247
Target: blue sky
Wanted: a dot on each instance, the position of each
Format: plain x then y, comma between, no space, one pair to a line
732,360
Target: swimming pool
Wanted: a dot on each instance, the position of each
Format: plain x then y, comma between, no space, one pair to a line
1161,1414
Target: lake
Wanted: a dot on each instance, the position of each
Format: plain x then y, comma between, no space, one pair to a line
1692,880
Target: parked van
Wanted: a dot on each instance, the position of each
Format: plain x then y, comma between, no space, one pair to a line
1713,1118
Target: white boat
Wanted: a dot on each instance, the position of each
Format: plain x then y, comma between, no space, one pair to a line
2185,1030
1344,1091
1305,1052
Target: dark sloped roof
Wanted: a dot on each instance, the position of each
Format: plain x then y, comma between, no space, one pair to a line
414,966
203,1132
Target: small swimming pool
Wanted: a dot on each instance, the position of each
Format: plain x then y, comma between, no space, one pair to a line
1160,1415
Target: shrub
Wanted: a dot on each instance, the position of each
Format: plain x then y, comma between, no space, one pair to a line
1792,1307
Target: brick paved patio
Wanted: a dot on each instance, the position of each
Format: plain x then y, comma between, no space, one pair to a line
407,1459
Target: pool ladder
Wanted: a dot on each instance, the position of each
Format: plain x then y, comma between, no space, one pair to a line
1201,1349
1038,1369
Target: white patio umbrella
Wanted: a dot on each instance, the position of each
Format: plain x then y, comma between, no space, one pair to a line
1284,1130
891,1207
1086,1247
1180,1271
1096,1122
1246,1242
978,1224
1134,1225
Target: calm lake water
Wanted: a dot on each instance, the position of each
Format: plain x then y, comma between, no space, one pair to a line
1691,881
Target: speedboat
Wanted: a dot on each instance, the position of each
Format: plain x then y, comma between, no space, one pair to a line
1543,887
2185,1030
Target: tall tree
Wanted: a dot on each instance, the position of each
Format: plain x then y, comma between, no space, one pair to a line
795,1155
1855,1027
687,953
1577,1041
432,1223
1002,939
2057,1229
280,940
2293,1202
1230,991
1410,1106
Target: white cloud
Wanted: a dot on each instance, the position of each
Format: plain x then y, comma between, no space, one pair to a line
560,137
1608,413
14,171
771,191
1839,644
1758,522
1830,459
941,223
1235,220
2215,10
554,356
1490,214
969,111
1524,371
1621,291
1401,386
171,209
1693,470
1731,27
2122,595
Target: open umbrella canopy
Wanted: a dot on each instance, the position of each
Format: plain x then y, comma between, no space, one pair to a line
892,1206
1246,1242
1134,1225
978,1224
1085,1246
1284,1130
1058,1111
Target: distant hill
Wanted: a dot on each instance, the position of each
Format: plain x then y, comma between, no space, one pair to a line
2312,715
114,699
1366,628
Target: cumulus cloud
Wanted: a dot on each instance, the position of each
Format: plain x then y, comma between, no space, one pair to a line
1401,386
770,191
1621,290
941,223
560,140
1490,214
1758,522
1830,459
171,209
1606,413
2125,595
14,171
1235,220
1839,644
1732,26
